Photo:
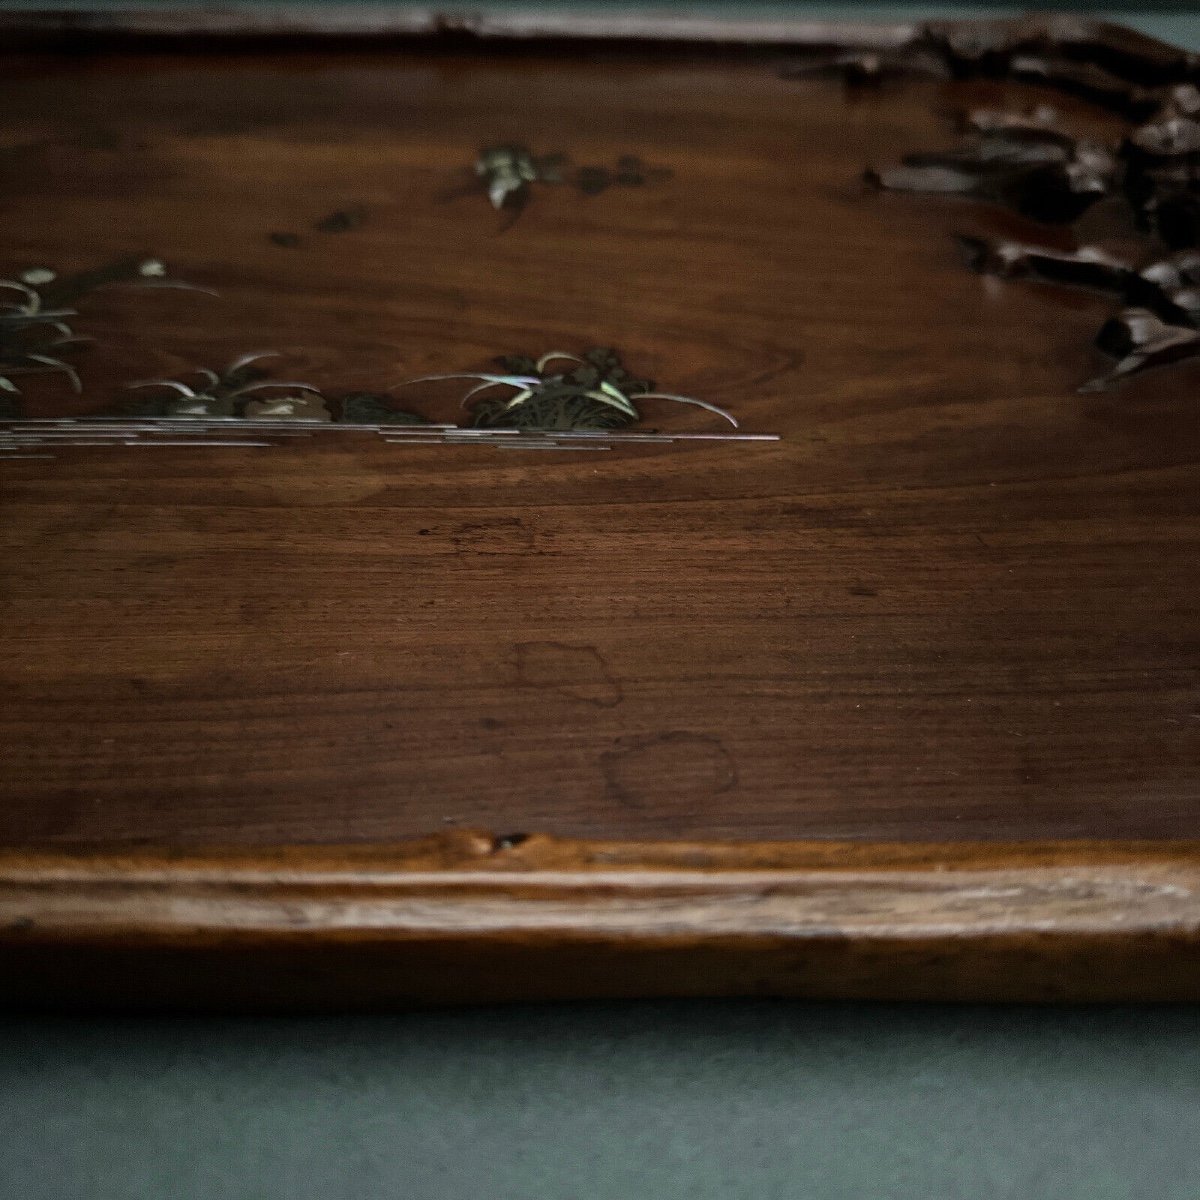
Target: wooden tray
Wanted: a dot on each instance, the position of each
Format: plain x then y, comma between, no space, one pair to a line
889,691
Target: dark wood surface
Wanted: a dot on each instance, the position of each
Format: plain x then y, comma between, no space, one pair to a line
957,602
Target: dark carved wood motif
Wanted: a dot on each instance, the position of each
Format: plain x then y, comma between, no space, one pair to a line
1026,161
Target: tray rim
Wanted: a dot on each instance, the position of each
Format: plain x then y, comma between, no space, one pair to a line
66,25
467,915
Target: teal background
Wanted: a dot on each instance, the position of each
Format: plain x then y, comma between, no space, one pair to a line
729,1101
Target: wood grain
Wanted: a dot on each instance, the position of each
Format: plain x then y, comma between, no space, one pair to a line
957,603
468,917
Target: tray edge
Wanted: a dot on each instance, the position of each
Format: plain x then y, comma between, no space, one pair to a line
469,917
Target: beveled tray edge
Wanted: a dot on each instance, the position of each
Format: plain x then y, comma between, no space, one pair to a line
468,917
68,26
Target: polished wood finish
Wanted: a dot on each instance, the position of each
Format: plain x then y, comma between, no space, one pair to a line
469,917
956,603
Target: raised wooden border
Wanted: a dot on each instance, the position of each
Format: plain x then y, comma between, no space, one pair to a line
239,21
71,27
469,916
